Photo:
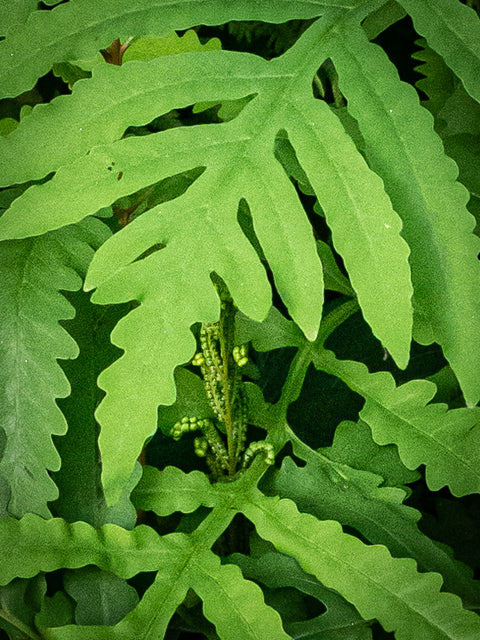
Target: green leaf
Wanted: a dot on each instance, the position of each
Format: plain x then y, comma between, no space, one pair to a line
379,586
446,442
149,47
339,622
353,445
358,499
7,125
403,149
378,21
78,480
453,30
365,229
32,544
172,490
460,114
56,611
102,598
14,12
32,273
149,620
80,29
234,605
439,81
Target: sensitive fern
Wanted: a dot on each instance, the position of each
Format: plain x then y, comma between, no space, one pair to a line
265,234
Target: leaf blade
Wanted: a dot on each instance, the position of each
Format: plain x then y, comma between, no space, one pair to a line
420,180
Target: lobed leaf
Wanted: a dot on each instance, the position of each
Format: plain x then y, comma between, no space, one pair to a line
172,490
379,586
32,545
453,30
234,605
100,109
101,597
354,445
403,149
439,81
358,499
80,28
15,12
446,442
33,272
365,229
340,621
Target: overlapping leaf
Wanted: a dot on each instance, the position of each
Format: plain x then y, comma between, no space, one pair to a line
357,499
403,149
200,230
80,28
453,30
339,622
379,586
33,271
34,544
446,442
439,81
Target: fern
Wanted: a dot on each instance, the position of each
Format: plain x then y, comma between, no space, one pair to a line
205,195
32,273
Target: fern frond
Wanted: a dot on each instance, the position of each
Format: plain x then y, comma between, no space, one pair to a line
439,82
79,29
379,586
403,149
446,442
33,272
452,30
277,571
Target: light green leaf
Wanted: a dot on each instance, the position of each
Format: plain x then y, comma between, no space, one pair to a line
358,499
379,586
101,597
172,490
353,445
32,273
365,229
14,12
453,30
149,620
403,149
446,442
99,110
234,605
32,544
199,230
149,47
80,28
